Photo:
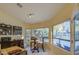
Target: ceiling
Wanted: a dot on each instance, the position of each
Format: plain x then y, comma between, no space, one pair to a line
40,11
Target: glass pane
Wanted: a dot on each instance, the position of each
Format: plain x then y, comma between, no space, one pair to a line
65,44
56,42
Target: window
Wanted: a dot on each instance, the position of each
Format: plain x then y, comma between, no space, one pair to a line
76,34
41,33
27,37
61,35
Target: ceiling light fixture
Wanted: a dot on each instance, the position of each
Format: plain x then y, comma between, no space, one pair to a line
30,15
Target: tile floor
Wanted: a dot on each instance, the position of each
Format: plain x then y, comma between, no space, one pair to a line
37,53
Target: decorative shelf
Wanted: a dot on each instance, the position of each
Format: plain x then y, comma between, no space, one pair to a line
6,29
